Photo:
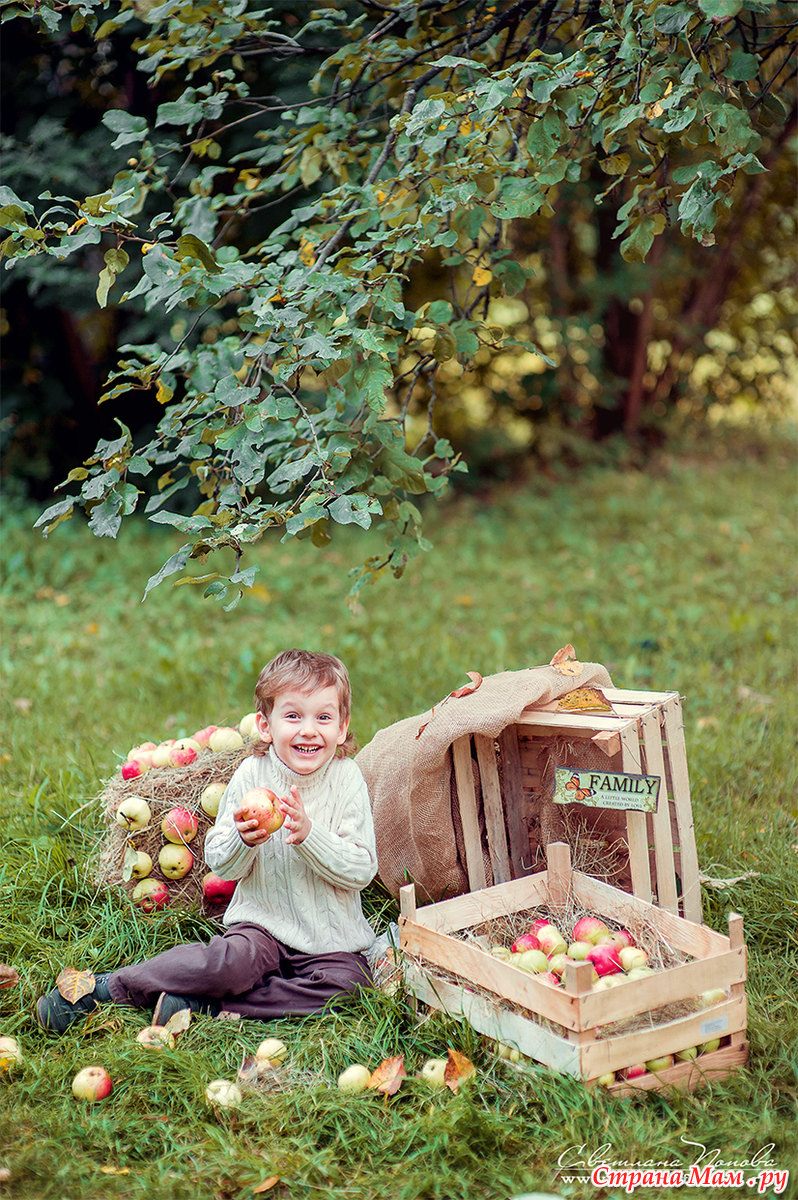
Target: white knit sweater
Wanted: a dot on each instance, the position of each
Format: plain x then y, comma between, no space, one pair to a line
306,895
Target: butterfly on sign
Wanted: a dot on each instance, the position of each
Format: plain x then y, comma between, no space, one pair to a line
580,793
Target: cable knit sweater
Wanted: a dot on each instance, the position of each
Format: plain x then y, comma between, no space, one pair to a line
305,895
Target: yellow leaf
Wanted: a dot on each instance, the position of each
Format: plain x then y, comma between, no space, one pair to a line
482,276
266,1186
163,393
307,252
584,699
73,985
565,662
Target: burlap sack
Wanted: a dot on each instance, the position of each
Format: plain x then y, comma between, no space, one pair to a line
408,769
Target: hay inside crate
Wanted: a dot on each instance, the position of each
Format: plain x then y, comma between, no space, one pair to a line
505,799
573,1029
165,788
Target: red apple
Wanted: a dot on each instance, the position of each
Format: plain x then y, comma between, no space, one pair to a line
527,941
549,977
175,861
605,959
203,736
635,1071
557,963
179,825
143,748
217,890
181,756
92,1083
626,937
263,805
134,767
150,894
538,924
589,929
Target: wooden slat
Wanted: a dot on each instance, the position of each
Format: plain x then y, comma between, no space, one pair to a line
609,1054
461,912
463,773
663,841
493,808
636,825
517,831
621,695
579,726
669,986
502,1024
507,982
597,896
558,862
686,1076
680,781
407,901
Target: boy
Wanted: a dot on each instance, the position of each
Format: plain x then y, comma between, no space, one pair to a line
295,931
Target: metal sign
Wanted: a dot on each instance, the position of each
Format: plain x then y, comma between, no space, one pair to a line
606,789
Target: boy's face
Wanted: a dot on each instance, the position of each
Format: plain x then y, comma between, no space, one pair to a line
305,728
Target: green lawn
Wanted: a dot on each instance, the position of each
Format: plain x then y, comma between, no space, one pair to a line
682,578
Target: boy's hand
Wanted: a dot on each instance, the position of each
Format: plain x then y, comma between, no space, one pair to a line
297,821
248,830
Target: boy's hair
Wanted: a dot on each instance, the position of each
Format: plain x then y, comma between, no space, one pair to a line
305,670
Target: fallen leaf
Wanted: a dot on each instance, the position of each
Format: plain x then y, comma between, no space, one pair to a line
8,976
389,1075
565,662
266,1186
114,1170
179,1022
584,699
467,688
73,985
458,1069
23,704
129,861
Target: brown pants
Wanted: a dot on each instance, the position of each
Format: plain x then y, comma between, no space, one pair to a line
245,970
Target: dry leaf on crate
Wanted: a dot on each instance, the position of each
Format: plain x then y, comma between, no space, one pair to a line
584,699
565,662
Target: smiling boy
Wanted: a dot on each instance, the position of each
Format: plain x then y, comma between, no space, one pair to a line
295,931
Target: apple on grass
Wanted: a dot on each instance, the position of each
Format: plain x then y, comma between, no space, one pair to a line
92,1083
133,814
10,1054
156,1037
433,1071
150,895
175,861
216,890
263,805
211,798
354,1078
222,1093
179,825
271,1052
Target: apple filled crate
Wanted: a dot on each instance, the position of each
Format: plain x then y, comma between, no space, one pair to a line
575,1029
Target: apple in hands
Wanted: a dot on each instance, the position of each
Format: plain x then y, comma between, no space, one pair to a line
261,805
92,1083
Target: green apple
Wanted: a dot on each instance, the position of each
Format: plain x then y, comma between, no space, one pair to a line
708,1047
247,726
221,1093
10,1054
211,798
686,1055
225,738
156,1037
354,1078
660,1064
175,861
142,866
433,1071
133,813
271,1052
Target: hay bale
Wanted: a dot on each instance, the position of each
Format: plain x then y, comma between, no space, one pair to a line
164,788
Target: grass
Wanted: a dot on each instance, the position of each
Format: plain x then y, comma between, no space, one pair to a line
680,578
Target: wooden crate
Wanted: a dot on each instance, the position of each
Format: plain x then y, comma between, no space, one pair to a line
489,992
644,736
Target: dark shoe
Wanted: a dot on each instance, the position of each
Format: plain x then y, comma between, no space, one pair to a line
55,1014
168,1005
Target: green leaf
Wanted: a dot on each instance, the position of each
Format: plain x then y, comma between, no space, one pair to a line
672,18
127,127
357,510
176,563
107,277
189,246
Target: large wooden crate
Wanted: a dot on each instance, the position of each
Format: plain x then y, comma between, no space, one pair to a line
567,1029
501,797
